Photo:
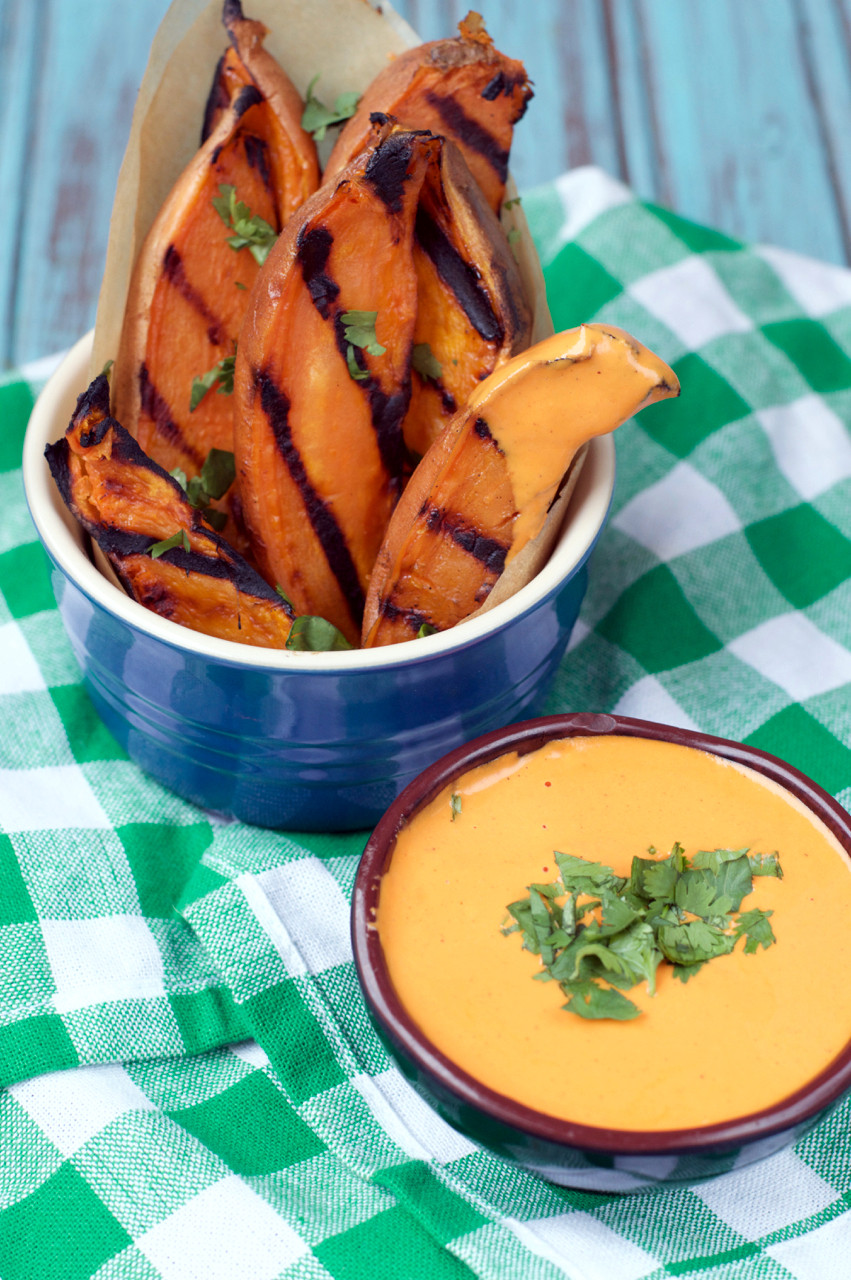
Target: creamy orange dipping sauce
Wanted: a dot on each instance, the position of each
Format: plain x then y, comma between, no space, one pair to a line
743,1033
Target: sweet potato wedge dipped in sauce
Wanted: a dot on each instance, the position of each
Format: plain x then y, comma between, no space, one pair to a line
472,312
131,506
192,279
482,492
462,88
323,381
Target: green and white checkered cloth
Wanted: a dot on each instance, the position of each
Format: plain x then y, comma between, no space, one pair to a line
192,1088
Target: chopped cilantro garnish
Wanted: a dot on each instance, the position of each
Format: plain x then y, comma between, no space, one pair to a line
510,204
425,362
220,377
107,369
250,232
426,629
455,805
317,118
179,539
217,475
359,331
316,635
592,927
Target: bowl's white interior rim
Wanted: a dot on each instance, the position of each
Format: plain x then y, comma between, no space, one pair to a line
63,539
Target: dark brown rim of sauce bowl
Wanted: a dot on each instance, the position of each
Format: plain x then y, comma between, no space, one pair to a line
793,1111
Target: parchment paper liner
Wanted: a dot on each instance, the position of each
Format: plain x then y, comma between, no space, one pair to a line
347,43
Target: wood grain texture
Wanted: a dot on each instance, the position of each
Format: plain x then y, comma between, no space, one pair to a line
733,112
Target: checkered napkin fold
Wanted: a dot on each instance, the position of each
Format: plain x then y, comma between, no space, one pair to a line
192,1086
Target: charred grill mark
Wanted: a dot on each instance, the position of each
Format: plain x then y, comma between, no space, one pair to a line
154,406
458,276
470,132
92,435
232,13
276,407
257,155
387,169
413,619
387,412
502,83
313,249
484,432
447,400
121,544
488,551
217,101
249,96
494,87
175,273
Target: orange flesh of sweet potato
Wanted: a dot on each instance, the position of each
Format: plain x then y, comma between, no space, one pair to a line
127,504
320,453
449,564
462,88
471,309
190,287
483,490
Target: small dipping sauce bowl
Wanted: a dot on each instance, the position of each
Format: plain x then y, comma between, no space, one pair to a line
305,741
473,785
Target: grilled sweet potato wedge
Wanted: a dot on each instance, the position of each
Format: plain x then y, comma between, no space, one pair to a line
462,88
322,381
191,282
472,313
482,491
129,504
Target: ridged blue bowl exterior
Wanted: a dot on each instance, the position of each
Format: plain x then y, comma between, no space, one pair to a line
326,751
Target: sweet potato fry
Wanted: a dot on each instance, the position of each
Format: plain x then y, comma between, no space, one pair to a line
472,313
131,507
323,381
483,490
196,267
462,88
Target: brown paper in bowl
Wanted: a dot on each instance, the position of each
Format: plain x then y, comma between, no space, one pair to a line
345,42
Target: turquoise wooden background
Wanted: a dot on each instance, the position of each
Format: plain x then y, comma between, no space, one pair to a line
733,112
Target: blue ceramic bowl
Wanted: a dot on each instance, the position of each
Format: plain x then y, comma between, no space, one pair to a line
307,741
567,1153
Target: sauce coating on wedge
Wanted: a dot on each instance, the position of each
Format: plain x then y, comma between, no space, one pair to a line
483,490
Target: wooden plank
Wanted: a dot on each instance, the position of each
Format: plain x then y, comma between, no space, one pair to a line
542,146
20,48
733,112
824,34
90,61
735,128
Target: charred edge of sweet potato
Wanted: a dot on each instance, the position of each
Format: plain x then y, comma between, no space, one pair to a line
317,529
267,617
329,536
428,531
411,89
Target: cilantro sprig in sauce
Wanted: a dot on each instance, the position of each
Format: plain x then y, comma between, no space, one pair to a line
599,934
